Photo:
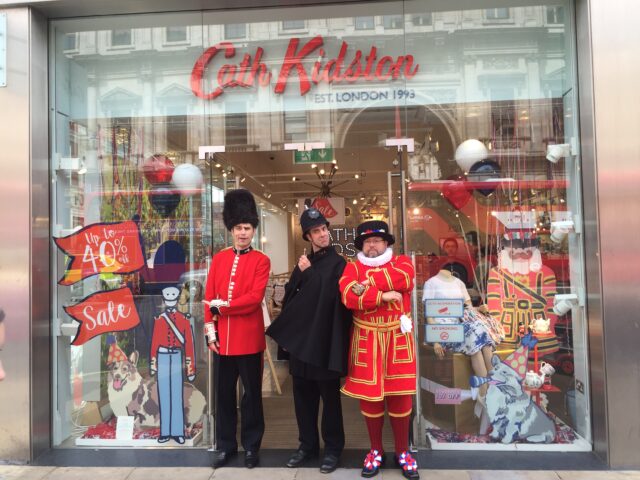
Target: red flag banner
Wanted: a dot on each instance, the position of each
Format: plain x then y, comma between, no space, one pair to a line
104,312
101,248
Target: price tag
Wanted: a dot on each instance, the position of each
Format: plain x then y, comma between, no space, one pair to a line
444,333
444,307
448,396
124,428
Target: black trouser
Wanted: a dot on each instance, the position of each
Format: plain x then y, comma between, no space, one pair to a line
227,370
306,397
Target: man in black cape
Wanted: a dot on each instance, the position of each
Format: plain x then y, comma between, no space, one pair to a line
314,328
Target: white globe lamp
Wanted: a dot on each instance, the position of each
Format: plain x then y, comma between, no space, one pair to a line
187,178
470,152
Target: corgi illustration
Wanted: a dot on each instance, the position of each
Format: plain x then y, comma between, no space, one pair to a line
133,395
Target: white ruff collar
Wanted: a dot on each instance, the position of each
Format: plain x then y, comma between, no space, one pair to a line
377,261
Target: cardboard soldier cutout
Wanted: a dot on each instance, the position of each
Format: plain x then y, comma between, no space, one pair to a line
172,355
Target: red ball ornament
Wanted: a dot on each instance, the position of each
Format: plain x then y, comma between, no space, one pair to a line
158,169
456,192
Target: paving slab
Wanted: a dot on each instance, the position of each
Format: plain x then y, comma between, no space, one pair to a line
171,473
254,473
396,474
23,472
608,475
89,473
513,475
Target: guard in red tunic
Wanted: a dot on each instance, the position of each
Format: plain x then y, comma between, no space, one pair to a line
234,328
382,360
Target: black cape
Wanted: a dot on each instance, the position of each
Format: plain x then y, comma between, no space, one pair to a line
314,324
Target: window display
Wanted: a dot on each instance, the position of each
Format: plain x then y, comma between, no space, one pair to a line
455,127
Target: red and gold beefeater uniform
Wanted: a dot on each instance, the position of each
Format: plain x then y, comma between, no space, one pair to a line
518,299
382,359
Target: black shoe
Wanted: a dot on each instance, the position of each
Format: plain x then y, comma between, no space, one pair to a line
163,438
329,463
179,439
373,462
300,457
251,459
220,458
408,465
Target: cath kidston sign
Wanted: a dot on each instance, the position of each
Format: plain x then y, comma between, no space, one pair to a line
251,71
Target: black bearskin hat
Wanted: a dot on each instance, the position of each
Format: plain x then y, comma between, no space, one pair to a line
239,207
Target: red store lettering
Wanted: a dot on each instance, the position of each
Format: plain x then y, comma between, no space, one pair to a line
252,71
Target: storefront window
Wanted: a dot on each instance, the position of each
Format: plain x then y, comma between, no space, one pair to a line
457,127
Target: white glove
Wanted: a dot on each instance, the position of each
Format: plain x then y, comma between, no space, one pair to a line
218,302
406,325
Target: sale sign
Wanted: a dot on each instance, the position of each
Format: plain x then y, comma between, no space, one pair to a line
101,248
103,312
332,208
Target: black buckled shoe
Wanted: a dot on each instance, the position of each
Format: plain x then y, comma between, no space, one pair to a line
221,458
408,465
299,458
329,463
251,459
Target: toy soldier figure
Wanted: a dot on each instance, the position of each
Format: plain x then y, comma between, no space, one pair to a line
382,362
172,340
234,329
314,328
521,289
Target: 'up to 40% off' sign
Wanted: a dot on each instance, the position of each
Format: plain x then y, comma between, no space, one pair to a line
101,248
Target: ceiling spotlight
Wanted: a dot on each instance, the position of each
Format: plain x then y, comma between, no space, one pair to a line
313,165
243,179
362,196
297,205
321,172
334,161
335,167
355,202
294,179
267,194
356,176
218,165
224,174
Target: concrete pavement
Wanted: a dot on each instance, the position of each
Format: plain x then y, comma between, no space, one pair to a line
198,473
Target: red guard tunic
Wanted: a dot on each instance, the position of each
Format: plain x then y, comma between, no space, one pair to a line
382,359
164,336
241,279
518,299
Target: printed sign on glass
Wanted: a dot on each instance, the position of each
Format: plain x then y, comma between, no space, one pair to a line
101,248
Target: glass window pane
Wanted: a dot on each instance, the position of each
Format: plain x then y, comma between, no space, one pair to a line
235,30
176,34
121,38
364,23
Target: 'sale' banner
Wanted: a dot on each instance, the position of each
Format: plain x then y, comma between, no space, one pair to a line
101,248
103,312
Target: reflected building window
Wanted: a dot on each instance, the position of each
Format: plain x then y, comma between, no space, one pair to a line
295,118
422,19
392,21
555,14
364,23
293,24
235,30
70,41
176,34
497,14
121,38
236,126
